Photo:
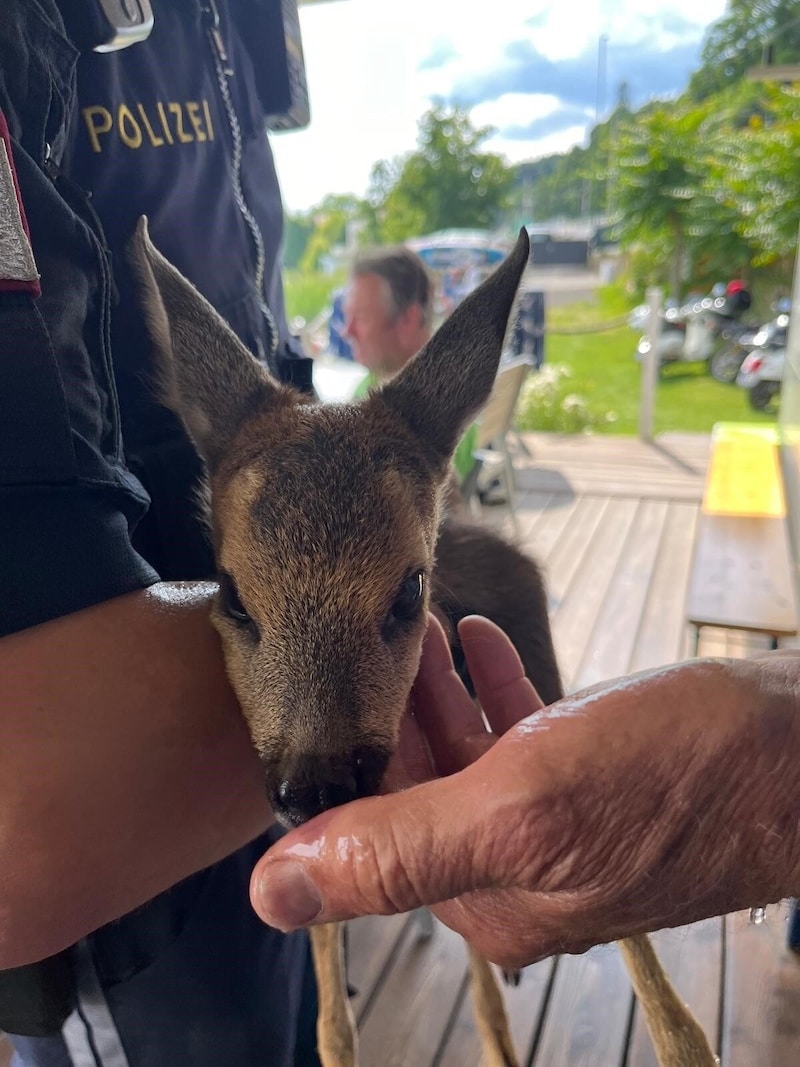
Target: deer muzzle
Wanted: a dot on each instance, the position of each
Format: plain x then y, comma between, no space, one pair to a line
308,785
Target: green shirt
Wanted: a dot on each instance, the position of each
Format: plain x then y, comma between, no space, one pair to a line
463,460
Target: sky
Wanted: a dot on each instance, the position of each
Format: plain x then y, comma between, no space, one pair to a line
538,71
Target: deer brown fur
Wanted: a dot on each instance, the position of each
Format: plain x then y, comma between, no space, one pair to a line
331,544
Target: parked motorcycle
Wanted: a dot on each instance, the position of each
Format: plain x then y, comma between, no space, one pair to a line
761,372
697,331
726,362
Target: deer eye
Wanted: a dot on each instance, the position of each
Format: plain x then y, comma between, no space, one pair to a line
408,600
229,601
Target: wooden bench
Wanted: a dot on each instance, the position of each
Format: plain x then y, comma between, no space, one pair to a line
741,577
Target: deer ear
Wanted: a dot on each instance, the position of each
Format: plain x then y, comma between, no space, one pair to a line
444,386
207,376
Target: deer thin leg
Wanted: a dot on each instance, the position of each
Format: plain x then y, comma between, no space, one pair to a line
677,1036
490,1014
337,1041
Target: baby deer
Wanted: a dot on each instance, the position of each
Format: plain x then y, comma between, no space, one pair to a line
330,547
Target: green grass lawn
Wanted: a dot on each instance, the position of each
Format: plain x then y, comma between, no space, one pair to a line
604,373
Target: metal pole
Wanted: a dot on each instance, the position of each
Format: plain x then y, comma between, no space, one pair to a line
655,297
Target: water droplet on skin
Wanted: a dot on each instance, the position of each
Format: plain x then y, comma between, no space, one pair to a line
757,916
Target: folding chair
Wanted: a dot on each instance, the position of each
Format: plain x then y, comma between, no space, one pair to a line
494,427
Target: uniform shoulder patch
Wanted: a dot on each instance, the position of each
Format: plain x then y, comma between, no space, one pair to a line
17,264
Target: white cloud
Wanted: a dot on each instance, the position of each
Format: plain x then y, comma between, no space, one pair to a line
370,83
515,109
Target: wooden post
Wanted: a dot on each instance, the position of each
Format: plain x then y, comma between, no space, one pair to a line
655,297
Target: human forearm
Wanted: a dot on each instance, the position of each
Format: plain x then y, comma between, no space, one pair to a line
125,765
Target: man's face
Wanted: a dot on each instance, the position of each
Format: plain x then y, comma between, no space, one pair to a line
378,339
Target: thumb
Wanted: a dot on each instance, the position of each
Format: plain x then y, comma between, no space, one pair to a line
382,855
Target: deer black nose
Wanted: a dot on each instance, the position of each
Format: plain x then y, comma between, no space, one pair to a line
300,801
310,785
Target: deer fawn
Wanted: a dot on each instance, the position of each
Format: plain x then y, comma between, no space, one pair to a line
331,546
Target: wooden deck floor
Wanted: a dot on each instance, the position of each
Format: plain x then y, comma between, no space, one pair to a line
612,522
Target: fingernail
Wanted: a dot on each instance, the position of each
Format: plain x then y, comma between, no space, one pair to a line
287,897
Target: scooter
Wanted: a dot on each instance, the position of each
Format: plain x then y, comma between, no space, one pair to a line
727,361
695,332
761,372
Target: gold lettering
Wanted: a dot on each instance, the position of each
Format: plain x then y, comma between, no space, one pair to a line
192,110
93,128
164,124
183,136
130,132
209,124
156,142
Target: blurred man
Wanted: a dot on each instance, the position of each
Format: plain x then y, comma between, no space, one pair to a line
389,314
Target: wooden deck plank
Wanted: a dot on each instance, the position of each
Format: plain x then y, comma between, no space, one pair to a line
371,944
410,1014
524,1006
610,647
623,484
663,634
565,558
587,1018
576,611
761,1022
693,958
550,528
530,508
673,467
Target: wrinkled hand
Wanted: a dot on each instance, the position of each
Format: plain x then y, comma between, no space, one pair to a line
641,803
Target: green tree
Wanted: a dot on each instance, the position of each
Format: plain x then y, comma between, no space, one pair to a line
298,229
330,219
561,192
717,243
756,174
658,175
737,41
447,182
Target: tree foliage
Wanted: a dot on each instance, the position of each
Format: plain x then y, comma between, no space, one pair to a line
738,40
555,186
449,181
664,160
657,177
755,172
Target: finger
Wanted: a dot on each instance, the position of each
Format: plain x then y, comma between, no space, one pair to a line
504,692
412,762
451,721
382,855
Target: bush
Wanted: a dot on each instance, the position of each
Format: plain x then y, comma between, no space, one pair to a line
307,294
548,404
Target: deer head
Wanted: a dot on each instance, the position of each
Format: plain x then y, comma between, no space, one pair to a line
324,520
